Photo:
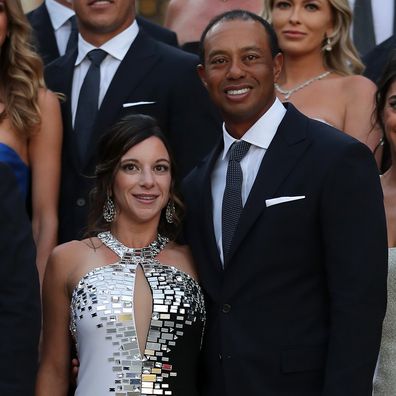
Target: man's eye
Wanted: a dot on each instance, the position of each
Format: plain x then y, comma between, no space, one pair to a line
218,61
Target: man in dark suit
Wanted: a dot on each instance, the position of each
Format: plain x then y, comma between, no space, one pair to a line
20,316
138,74
46,41
289,239
376,60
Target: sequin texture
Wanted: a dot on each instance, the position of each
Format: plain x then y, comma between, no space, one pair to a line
102,303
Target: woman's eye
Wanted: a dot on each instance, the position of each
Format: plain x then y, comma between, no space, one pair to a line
161,168
129,167
392,104
282,5
311,7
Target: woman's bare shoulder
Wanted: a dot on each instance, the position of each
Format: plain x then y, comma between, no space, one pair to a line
47,98
358,84
69,254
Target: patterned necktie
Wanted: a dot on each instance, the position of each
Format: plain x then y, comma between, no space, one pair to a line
232,198
88,100
73,37
363,26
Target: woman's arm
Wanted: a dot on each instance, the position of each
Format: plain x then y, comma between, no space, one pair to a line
53,374
45,159
359,121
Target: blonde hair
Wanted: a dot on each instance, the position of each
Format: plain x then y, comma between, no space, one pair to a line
343,58
21,73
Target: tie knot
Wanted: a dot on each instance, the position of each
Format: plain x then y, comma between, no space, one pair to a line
238,150
96,56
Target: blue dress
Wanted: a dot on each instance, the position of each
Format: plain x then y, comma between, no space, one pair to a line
21,171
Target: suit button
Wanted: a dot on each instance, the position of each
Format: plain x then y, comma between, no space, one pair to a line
80,202
226,308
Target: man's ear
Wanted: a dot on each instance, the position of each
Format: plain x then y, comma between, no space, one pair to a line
202,74
277,65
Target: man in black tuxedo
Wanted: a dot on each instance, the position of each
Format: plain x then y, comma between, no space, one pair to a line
20,315
138,74
286,223
46,40
376,60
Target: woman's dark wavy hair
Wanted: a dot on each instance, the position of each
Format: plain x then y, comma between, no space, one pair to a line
388,77
125,134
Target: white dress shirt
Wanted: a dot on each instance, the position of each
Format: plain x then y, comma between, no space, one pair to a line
59,16
383,13
259,136
116,48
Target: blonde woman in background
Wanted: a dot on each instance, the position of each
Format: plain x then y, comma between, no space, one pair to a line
30,127
188,18
320,74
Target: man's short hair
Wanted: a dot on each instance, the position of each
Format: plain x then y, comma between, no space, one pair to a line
240,15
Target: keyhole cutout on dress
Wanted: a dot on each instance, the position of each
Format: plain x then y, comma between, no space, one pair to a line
143,308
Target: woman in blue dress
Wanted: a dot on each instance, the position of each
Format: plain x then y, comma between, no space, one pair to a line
30,127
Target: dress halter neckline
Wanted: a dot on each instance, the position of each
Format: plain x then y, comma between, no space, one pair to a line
135,254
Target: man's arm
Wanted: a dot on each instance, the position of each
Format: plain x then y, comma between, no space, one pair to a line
355,245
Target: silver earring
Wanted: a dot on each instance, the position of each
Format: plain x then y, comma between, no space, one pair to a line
170,212
109,211
328,47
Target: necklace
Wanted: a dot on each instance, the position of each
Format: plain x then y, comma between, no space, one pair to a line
289,92
135,254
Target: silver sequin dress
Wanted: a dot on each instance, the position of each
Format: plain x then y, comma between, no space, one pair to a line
102,324
385,374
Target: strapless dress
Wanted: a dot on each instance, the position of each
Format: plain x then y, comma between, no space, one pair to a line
385,373
103,326
21,171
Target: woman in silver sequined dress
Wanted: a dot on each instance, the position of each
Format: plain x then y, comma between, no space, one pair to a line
128,294
385,375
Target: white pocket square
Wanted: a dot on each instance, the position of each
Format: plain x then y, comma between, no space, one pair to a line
136,104
275,201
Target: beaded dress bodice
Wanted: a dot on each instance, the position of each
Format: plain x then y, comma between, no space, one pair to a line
384,383
103,326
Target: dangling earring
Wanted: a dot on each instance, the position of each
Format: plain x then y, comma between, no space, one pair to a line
328,47
170,212
109,210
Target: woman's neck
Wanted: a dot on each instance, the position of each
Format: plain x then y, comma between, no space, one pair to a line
134,235
299,69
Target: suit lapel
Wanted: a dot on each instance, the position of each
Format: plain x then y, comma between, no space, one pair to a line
138,61
62,81
287,147
46,36
205,219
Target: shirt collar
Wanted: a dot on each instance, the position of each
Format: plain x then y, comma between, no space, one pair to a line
262,131
117,47
58,13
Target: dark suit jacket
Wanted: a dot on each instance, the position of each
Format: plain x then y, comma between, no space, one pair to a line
45,40
20,316
150,71
299,307
376,60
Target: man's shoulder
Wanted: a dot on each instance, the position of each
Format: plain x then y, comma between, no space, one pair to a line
167,52
35,15
157,31
59,69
